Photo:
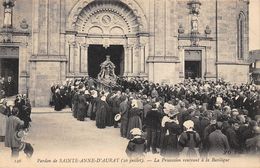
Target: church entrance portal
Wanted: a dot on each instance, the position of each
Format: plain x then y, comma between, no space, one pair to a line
193,64
192,69
97,55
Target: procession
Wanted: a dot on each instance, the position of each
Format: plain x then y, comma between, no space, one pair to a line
189,119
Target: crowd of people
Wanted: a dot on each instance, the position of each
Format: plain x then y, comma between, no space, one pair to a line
195,117
15,123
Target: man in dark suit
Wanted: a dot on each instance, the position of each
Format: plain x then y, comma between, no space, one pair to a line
152,123
238,100
9,86
124,109
218,142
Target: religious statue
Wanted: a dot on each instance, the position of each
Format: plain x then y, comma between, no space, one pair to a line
194,24
8,5
107,72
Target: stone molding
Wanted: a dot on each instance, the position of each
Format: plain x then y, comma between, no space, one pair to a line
131,4
48,58
200,36
161,59
106,20
231,63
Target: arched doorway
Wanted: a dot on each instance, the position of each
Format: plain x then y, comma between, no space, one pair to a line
106,27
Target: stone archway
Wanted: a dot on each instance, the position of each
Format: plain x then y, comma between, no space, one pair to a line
131,4
102,22
107,18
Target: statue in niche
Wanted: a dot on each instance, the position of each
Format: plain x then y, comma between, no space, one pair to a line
8,4
194,24
107,72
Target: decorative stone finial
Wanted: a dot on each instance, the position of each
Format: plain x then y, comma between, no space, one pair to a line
207,30
8,3
24,24
194,6
180,29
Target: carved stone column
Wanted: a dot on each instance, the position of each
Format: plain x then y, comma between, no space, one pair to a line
23,57
73,47
126,63
23,73
77,58
84,59
182,64
131,58
146,51
208,62
136,60
142,58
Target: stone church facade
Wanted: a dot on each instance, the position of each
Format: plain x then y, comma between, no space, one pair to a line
46,41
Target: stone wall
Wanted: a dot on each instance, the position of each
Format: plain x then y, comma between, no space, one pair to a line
43,75
227,14
166,73
234,73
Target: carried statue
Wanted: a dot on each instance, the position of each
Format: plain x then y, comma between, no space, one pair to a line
107,72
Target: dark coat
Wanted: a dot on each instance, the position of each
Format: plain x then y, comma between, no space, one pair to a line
205,139
101,112
153,119
253,145
170,141
136,147
58,104
13,124
82,107
200,123
190,142
232,138
238,102
93,108
218,143
115,104
26,109
245,132
147,108
124,110
75,102
134,121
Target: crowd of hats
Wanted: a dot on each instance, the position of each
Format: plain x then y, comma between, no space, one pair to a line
236,99
216,101
217,94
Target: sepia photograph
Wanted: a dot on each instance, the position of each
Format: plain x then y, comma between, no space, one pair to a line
129,83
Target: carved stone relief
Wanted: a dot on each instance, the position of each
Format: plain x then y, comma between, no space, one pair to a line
109,18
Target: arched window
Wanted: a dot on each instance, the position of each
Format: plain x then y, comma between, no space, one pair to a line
241,35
